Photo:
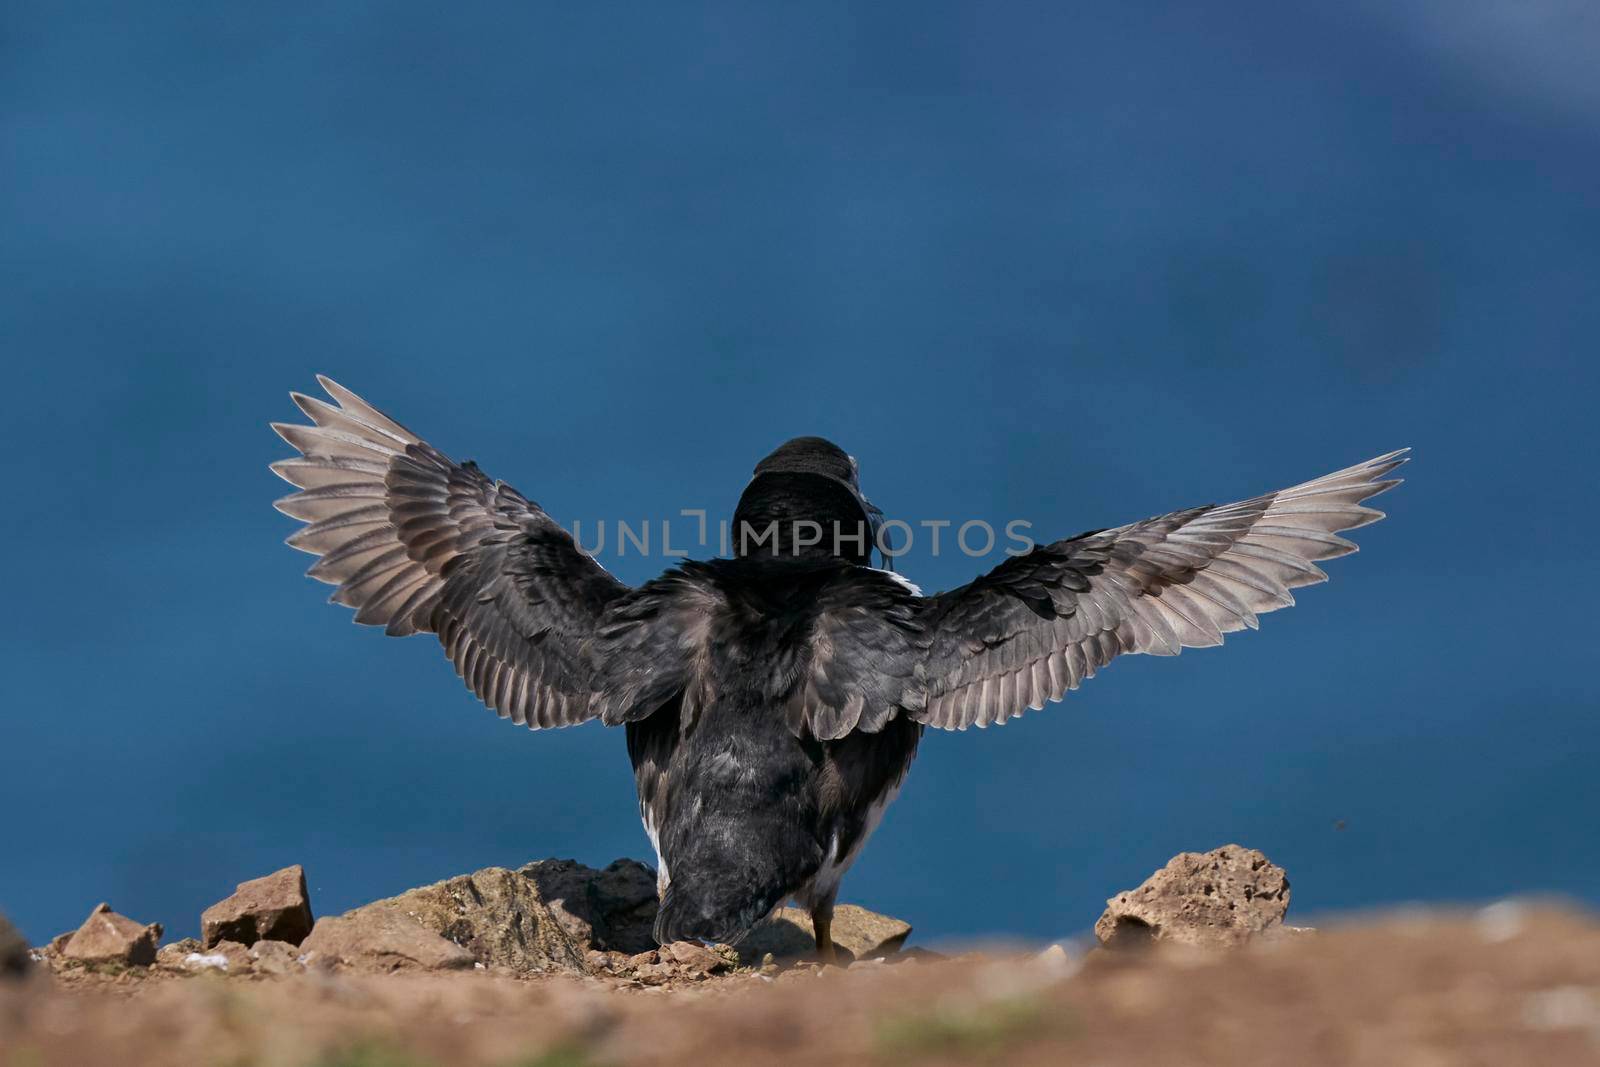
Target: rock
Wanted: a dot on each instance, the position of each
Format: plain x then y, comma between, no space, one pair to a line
786,936
15,957
560,916
380,939
1055,963
1219,898
498,916
858,934
1054,956
173,955
866,934
275,957
106,937
275,907
692,960
227,957
918,954
202,961
652,974
681,961
613,910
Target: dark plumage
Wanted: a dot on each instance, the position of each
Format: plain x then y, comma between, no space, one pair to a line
773,702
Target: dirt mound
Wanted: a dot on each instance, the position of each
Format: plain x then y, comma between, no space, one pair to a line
552,917
1505,986
551,965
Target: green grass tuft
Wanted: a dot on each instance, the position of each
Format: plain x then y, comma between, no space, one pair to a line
369,1054
562,1055
979,1030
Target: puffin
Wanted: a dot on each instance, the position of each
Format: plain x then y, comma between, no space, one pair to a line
772,700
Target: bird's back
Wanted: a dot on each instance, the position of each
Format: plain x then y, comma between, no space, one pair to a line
743,811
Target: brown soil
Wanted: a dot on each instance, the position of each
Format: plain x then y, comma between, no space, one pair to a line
1503,987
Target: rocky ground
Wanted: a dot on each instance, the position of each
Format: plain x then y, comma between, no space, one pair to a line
553,965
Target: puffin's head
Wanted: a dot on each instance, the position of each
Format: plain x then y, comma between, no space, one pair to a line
805,502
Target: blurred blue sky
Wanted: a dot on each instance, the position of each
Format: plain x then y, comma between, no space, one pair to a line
1071,263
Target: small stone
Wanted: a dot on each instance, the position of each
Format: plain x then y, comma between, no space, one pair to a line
653,974
228,957
382,940
106,937
205,961
1055,962
174,954
1223,897
239,960
15,957
918,954
1501,921
275,907
858,934
275,957
693,959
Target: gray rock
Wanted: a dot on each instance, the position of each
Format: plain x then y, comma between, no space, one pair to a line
858,934
15,957
384,940
612,910
275,907
497,916
1219,898
106,937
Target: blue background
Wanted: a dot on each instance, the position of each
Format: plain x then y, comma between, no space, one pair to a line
1076,264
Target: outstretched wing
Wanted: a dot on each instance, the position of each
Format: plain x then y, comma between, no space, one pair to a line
1038,625
418,543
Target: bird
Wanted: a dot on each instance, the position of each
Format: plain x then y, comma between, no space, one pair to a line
773,699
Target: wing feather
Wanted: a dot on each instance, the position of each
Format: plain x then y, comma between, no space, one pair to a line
1176,581
417,543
